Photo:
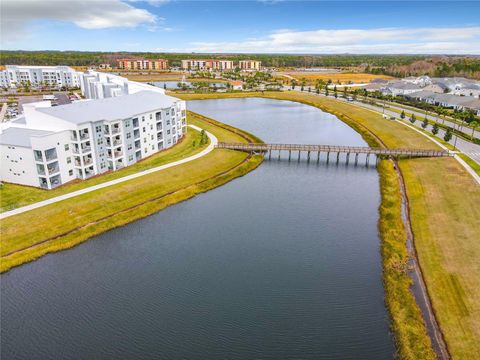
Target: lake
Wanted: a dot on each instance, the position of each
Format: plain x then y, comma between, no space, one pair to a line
283,263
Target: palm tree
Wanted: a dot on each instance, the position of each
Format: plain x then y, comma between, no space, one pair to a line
474,124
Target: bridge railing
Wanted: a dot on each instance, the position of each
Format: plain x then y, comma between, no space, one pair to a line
333,148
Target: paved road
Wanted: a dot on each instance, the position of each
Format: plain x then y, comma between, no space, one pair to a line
421,115
470,149
210,147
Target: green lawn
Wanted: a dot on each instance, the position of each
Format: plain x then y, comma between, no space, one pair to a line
59,226
445,215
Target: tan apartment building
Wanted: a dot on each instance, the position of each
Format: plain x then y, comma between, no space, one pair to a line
142,64
207,64
249,65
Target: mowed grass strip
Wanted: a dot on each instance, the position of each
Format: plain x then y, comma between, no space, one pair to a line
445,215
13,196
69,222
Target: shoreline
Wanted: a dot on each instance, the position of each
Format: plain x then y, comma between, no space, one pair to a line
79,234
403,344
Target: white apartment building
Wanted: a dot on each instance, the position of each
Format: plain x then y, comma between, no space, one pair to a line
36,76
51,146
207,65
250,65
98,85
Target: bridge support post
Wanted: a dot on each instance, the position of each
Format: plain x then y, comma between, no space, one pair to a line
377,160
308,155
289,155
279,151
356,159
367,159
298,155
348,158
328,156
270,155
338,156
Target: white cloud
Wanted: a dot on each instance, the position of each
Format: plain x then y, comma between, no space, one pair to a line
87,14
463,40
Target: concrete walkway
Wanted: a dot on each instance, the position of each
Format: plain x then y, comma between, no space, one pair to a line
210,147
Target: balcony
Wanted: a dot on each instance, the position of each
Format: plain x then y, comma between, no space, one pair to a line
136,134
86,149
87,161
43,183
55,181
159,127
53,168
84,136
40,169
38,155
115,130
137,144
50,154
135,123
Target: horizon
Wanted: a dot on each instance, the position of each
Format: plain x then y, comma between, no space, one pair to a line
243,27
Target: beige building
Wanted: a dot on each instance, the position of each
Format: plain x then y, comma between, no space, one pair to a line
249,65
136,64
211,64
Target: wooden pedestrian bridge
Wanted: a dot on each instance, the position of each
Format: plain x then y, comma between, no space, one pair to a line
332,149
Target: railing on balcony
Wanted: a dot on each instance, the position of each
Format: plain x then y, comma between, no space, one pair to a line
86,149
115,130
87,161
84,136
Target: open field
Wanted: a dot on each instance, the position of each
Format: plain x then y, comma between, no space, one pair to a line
445,220
161,76
29,235
335,77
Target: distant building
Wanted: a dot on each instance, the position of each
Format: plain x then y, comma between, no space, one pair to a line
37,76
210,65
400,88
105,67
142,64
250,65
236,85
99,85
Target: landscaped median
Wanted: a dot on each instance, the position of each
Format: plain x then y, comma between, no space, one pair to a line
59,226
444,207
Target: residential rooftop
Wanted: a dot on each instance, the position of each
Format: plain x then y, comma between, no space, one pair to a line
20,136
114,108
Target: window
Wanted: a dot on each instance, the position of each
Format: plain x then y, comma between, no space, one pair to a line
168,122
69,160
143,129
151,117
127,123
129,147
172,112
151,137
70,172
98,128
153,147
143,118
130,158
144,140
151,127
146,149
168,132
129,135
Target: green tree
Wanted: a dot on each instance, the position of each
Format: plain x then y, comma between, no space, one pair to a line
474,124
435,129
425,123
413,119
402,115
448,135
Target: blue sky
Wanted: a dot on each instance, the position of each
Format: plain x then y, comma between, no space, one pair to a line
451,27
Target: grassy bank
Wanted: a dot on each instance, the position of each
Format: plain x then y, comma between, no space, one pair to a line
445,215
59,226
